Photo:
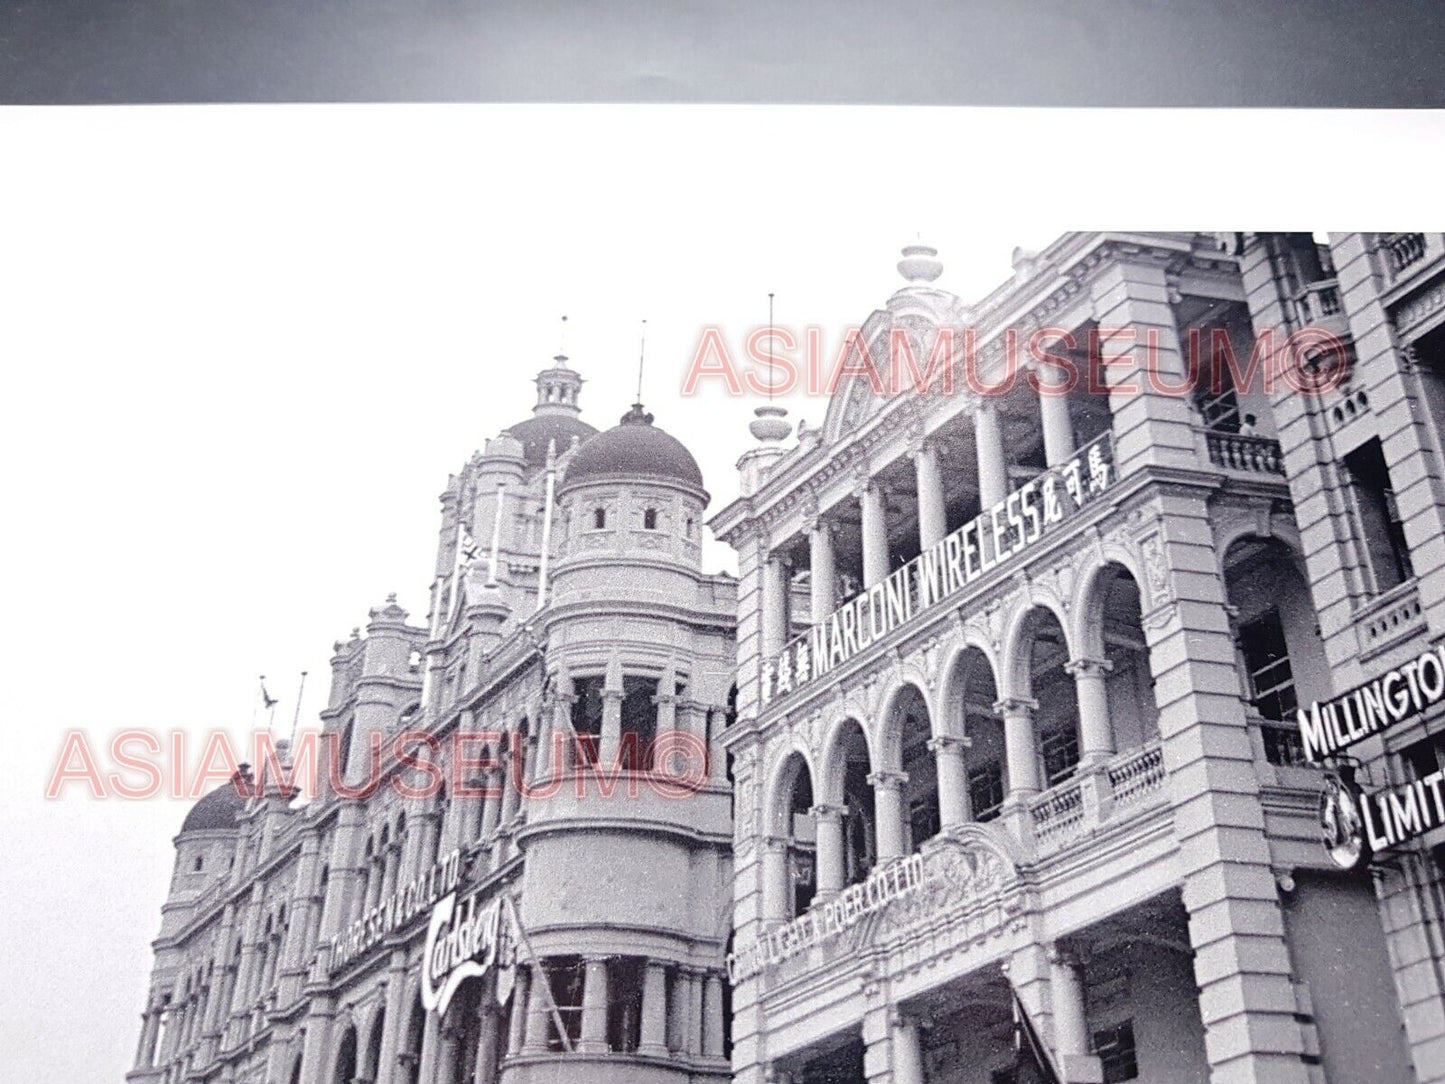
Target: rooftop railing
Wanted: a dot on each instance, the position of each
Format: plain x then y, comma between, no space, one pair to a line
1251,454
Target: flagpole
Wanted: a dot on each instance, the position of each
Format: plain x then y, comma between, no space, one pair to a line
547,524
296,718
456,573
496,535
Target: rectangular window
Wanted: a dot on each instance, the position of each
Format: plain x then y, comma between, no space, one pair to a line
587,717
639,722
1425,757
924,820
1282,746
624,1003
565,976
985,790
1381,531
1115,1047
1061,754
1266,661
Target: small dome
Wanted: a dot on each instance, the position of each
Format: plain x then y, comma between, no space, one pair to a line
218,810
636,449
535,433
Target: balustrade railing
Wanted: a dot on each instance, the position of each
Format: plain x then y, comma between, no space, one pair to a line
1136,775
1236,451
1319,301
1403,249
1058,814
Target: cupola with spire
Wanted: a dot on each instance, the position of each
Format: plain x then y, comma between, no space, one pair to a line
554,417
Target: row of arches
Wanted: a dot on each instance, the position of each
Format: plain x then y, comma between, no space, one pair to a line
995,728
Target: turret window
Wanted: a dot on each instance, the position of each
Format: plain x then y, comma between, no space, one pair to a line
649,519
599,518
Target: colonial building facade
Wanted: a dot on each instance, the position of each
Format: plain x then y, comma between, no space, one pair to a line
573,644
1019,672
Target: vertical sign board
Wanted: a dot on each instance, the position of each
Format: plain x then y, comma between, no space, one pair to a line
467,939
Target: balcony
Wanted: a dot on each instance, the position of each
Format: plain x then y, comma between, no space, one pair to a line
1246,454
1402,256
1391,619
1402,250
1074,809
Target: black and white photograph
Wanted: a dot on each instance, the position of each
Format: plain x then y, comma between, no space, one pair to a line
721,544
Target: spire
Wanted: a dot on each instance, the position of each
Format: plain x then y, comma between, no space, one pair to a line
771,424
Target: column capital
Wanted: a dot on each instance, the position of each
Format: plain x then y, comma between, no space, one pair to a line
922,446
1016,705
985,405
824,810
903,1018
948,744
1085,665
886,779
1066,955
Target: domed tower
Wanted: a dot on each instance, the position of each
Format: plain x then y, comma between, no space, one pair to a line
205,855
631,498
627,862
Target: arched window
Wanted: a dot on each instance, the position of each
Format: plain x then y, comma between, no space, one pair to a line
599,518
649,519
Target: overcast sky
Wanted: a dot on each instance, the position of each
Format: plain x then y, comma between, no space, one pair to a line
244,347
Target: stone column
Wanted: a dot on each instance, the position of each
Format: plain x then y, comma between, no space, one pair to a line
828,852
777,903
488,1039
426,846
1096,732
493,785
594,1007
539,1014
953,800
693,1043
390,863
774,614
1071,1025
145,1055
992,460
1021,745
653,1038
246,974
446,1060
431,1050
610,743
517,1031
394,1021
216,1011
1054,412
304,902
873,503
511,796
931,521
907,1050
824,574
712,1016
889,814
